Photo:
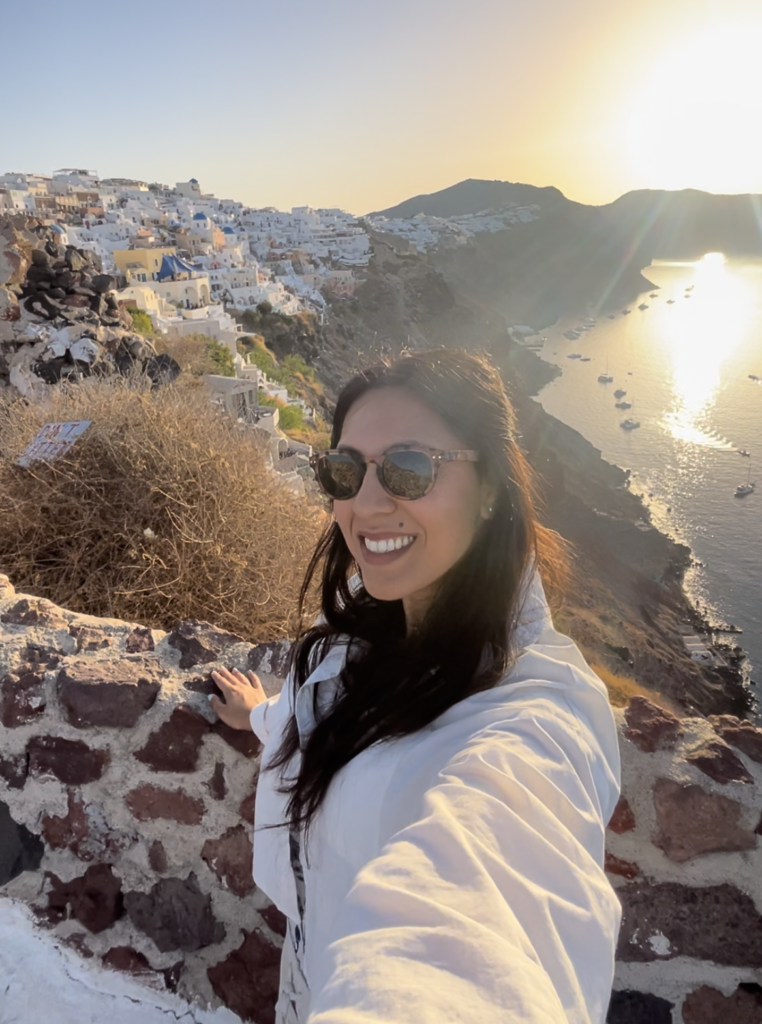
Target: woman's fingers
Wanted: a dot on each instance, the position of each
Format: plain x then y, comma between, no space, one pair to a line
254,680
241,693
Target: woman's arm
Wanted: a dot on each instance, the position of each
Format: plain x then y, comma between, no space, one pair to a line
491,905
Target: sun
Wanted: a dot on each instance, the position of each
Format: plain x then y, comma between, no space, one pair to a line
695,122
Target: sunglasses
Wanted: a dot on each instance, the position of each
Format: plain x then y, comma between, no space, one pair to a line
408,474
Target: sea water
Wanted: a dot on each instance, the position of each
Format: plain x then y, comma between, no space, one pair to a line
688,367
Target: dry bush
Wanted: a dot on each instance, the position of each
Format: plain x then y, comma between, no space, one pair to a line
191,351
623,688
230,543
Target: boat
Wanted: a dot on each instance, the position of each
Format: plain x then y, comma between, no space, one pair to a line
626,311
742,451
670,302
690,287
643,305
687,295
585,359
574,355
612,316
571,335
753,376
744,489
605,378
620,393
629,424
623,405
654,295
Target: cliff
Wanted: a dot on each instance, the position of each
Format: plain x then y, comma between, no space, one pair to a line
575,257
126,811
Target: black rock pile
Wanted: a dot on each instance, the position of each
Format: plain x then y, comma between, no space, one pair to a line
67,282
59,317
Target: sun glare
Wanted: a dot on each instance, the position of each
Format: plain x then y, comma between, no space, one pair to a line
702,334
695,121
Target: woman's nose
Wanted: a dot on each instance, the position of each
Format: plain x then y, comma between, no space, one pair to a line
372,497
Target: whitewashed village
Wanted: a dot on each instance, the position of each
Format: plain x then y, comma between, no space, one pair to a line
191,264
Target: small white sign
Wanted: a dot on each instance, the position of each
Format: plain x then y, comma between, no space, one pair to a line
52,441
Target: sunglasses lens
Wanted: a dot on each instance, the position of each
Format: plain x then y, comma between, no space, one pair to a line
408,474
339,475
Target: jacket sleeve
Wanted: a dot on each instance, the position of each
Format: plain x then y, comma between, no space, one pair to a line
491,904
272,713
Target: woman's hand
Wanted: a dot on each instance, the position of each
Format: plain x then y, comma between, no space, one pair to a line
241,692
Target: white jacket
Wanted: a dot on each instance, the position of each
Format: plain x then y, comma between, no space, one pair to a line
456,874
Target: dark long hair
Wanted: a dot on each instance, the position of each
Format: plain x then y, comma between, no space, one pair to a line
395,684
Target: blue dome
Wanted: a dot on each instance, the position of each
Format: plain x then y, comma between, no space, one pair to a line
228,231
199,216
193,181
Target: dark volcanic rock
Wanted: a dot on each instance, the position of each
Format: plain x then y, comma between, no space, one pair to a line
139,641
743,735
714,922
127,959
103,283
200,642
70,761
242,740
616,866
89,639
94,899
271,657
86,831
22,699
623,819
157,857
107,693
175,914
230,858
691,822
217,785
628,1007
274,919
175,746
650,727
247,981
20,849
708,1005
715,759
147,802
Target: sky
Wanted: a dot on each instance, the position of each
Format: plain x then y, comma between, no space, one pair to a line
362,104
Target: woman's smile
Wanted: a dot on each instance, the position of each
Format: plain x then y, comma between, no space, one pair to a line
379,550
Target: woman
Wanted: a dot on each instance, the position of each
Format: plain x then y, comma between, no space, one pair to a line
439,767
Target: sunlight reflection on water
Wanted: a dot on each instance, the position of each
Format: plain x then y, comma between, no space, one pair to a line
700,337
687,363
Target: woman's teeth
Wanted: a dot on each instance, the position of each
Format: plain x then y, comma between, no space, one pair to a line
392,544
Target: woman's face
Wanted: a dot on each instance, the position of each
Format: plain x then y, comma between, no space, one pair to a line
439,527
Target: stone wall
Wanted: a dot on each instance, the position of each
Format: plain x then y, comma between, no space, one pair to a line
126,809
126,805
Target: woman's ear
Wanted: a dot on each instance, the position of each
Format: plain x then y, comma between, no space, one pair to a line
488,499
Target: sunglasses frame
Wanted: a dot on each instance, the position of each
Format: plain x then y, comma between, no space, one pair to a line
438,458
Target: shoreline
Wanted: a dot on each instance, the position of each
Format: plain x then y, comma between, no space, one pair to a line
733,668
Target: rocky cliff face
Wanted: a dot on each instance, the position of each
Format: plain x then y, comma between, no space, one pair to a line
126,811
